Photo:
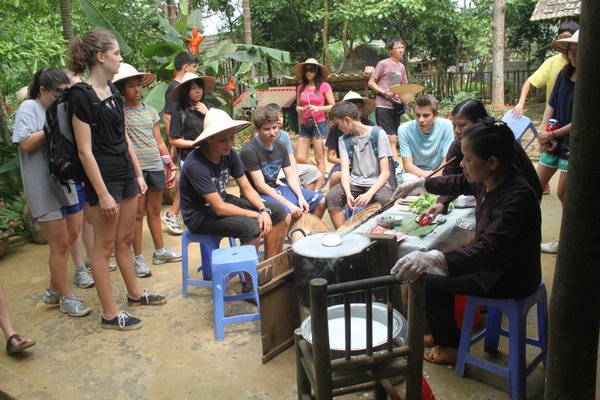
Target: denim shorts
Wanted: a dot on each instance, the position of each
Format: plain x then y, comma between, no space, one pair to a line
317,131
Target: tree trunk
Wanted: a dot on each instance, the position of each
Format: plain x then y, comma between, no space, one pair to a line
573,344
247,23
172,12
345,47
498,53
65,16
325,35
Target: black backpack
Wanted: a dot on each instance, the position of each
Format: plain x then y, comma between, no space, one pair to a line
63,158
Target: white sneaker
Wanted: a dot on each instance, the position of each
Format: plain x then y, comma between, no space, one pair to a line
172,223
140,267
550,247
166,256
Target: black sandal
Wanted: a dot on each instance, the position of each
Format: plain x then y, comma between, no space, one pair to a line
23,343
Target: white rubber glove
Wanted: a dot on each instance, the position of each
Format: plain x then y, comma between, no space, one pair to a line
406,188
413,265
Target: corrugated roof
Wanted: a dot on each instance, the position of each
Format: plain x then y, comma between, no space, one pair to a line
551,9
284,96
340,82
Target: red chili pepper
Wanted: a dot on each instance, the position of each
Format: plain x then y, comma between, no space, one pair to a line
425,219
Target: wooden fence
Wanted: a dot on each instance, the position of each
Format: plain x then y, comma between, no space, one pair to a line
446,85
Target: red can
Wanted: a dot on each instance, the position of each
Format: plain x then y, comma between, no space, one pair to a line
552,126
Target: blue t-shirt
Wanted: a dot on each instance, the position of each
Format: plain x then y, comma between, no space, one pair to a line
427,151
561,100
285,139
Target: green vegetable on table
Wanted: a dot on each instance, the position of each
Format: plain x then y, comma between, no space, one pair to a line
423,203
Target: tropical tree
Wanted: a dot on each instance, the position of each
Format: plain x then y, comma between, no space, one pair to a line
498,54
65,15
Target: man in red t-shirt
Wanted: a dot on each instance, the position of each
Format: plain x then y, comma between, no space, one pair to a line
389,72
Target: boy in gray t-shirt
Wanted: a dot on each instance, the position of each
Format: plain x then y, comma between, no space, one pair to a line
368,180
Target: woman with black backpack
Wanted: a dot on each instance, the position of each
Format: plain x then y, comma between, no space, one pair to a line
53,205
113,177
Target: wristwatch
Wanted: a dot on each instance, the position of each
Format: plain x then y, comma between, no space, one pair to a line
265,209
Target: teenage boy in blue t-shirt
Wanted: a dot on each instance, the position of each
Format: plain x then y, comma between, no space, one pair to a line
424,142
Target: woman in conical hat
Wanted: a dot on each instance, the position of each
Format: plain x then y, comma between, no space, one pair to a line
556,142
314,98
206,206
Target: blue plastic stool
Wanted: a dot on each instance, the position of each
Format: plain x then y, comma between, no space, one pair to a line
516,310
207,245
225,262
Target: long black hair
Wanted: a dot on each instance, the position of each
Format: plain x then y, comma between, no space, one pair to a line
490,138
49,78
184,98
318,77
568,69
471,109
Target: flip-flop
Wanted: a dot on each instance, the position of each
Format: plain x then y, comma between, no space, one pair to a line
23,343
429,341
438,355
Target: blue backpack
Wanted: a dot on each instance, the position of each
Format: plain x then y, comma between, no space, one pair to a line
373,138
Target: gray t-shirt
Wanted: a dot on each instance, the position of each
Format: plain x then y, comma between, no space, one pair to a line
365,164
44,193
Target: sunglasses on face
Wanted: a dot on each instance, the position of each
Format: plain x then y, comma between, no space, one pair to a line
310,69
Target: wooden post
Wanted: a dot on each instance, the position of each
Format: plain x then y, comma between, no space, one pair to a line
574,315
416,329
320,336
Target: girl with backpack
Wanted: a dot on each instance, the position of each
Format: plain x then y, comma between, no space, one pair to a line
141,126
187,121
53,205
113,178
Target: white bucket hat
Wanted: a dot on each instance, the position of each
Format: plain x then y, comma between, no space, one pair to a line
562,45
368,105
127,71
407,92
208,84
218,121
299,68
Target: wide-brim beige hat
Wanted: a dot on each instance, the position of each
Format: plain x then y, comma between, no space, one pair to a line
127,71
299,68
208,84
368,105
407,92
218,121
562,45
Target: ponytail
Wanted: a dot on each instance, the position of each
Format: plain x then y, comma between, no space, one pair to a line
49,78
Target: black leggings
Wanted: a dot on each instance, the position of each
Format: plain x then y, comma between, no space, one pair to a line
244,228
440,304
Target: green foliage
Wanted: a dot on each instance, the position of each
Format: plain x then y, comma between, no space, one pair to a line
99,20
11,220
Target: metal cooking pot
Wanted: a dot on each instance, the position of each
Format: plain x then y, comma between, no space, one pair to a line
334,257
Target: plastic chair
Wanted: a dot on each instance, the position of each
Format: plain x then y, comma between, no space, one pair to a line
207,244
226,262
519,126
516,310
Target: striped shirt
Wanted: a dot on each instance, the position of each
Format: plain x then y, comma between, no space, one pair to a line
139,123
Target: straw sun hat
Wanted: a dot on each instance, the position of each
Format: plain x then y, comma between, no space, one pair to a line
562,45
218,121
208,83
127,71
368,105
299,68
407,92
